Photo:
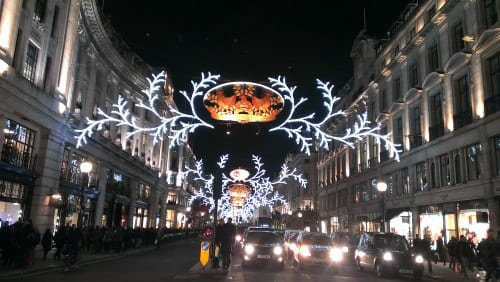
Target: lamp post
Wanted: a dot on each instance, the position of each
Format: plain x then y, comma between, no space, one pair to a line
85,168
382,187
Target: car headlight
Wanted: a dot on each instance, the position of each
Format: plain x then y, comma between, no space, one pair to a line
304,251
387,256
345,249
249,249
419,259
336,254
278,250
238,238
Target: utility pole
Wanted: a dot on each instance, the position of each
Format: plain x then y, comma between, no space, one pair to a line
217,193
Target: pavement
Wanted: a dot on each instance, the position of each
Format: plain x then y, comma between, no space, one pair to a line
440,272
50,264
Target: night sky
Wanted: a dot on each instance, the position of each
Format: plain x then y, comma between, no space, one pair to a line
249,40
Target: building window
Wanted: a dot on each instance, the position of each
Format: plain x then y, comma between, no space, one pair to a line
363,155
463,109
490,12
39,12
433,58
398,131
444,169
384,152
493,102
48,65
421,174
405,181
473,170
373,152
18,145
396,90
413,75
436,128
55,20
383,101
431,12
389,179
29,68
415,127
497,153
457,42
373,188
433,175
458,169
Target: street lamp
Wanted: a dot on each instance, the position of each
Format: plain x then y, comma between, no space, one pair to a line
85,168
382,187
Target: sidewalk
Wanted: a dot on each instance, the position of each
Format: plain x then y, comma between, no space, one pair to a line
442,272
50,264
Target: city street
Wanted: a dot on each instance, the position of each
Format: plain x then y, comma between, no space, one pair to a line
178,261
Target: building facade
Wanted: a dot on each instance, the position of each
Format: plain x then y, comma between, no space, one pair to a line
59,62
434,84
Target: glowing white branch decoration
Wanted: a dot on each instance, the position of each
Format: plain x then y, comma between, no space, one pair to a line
179,124
295,126
263,191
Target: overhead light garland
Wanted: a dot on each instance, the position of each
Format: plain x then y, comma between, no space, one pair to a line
180,124
263,192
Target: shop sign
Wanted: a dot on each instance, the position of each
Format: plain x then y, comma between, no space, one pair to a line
474,205
429,209
449,208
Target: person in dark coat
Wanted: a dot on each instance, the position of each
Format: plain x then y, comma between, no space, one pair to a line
453,251
59,239
47,242
218,240
228,233
441,249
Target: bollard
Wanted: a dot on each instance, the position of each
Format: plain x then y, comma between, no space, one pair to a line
204,253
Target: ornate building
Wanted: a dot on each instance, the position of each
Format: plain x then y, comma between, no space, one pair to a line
434,83
60,61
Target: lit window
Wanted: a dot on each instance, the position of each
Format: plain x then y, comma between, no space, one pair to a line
29,68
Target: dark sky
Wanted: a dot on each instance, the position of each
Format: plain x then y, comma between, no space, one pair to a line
249,40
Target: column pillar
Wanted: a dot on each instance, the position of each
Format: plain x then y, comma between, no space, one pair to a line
99,209
134,185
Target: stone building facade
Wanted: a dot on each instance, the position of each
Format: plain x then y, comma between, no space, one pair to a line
60,60
434,84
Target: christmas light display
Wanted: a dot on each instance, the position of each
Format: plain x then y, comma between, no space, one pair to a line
263,192
180,124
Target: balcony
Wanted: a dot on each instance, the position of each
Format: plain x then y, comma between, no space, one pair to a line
17,158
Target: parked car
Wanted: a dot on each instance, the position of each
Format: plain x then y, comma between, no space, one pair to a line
317,249
262,247
347,241
387,254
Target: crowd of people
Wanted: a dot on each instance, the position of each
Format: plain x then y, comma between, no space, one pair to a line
462,254
19,240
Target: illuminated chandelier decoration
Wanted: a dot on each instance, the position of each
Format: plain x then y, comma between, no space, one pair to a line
262,189
243,102
239,108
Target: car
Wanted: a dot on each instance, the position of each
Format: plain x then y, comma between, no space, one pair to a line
348,241
262,247
388,254
317,249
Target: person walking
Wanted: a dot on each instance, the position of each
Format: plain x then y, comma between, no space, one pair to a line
463,254
488,251
228,233
47,242
441,251
218,241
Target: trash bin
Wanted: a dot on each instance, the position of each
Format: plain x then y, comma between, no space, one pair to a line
204,253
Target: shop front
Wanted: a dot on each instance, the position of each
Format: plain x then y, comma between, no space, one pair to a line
468,218
141,215
400,222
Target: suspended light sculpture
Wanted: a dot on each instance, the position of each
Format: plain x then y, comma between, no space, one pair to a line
262,189
243,105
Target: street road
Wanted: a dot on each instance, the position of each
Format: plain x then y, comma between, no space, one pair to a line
177,261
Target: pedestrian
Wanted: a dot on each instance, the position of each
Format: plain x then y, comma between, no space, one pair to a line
453,252
463,254
441,250
228,233
47,242
218,241
488,251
